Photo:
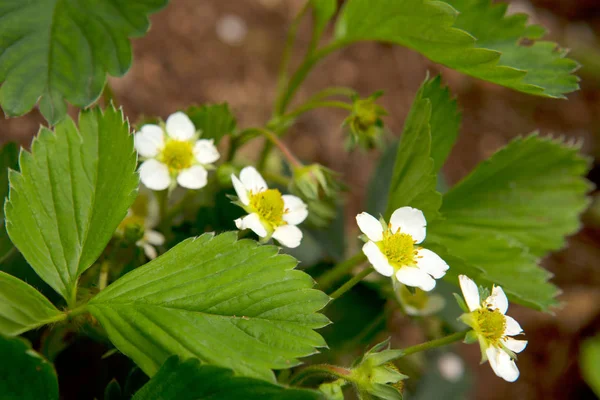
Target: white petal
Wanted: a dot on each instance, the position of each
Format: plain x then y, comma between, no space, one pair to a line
370,226
377,259
502,365
155,175
154,237
288,235
150,251
431,263
498,300
252,180
180,127
412,276
409,220
296,210
194,177
251,221
512,326
149,141
240,189
515,345
206,152
470,292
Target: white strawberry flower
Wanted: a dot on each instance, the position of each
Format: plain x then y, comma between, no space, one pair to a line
174,154
392,249
493,328
270,214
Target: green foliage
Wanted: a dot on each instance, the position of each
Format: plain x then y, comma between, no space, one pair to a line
26,375
231,303
23,308
9,159
73,190
429,131
190,380
513,209
323,11
213,120
471,36
589,362
57,50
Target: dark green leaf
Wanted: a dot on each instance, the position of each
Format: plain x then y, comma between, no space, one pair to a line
73,190
63,49
227,302
190,380
213,120
113,391
471,36
25,375
9,159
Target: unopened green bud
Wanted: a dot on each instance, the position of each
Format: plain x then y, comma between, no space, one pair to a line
131,229
365,123
333,390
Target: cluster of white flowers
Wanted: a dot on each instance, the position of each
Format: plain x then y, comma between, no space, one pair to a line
173,154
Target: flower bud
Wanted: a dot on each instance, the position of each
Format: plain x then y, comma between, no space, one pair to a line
365,123
418,302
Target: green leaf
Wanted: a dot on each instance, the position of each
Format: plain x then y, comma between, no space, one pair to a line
430,130
323,11
9,159
231,303
589,362
189,380
513,209
26,375
471,36
57,50
23,308
213,120
73,190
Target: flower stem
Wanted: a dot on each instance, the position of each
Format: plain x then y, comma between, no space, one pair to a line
320,369
318,104
351,283
287,153
338,271
103,277
432,344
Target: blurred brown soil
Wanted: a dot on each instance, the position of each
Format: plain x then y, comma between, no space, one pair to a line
183,61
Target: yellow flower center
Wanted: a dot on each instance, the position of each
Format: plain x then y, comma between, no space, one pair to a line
399,248
177,155
490,324
268,204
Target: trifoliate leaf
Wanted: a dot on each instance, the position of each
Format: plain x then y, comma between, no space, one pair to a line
513,209
471,36
62,50
190,380
23,308
73,190
26,375
429,131
9,159
231,303
214,121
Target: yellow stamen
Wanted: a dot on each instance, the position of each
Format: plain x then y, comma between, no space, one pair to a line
490,324
268,204
399,248
177,155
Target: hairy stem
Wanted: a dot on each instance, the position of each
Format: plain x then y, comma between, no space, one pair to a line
338,271
320,369
432,344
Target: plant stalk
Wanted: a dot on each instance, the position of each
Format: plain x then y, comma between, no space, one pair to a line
320,369
351,283
432,344
338,271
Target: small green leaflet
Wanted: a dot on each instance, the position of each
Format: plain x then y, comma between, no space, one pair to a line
9,159
73,190
513,209
231,303
26,375
213,120
62,50
471,36
323,11
190,380
23,308
429,134
589,361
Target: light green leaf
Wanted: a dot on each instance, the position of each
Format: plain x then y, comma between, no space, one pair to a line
9,159
430,130
62,50
73,190
513,209
190,380
471,36
231,303
589,362
23,308
26,375
323,11
213,120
